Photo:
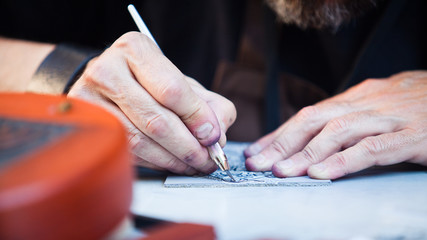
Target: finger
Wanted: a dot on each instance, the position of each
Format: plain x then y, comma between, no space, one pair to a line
146,114
384,149
165,128
168,86
224,111
295,134
223,108
260,144
337,133
149,153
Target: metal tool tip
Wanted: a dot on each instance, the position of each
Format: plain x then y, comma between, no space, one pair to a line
231,176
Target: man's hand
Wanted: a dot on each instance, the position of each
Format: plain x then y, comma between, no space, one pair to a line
378,122
169,117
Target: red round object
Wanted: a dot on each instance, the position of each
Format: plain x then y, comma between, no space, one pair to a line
65,169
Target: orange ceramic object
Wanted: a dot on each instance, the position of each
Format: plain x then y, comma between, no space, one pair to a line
181,231
72,182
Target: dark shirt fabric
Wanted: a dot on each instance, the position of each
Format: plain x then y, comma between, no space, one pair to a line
198,35
195,35
386,40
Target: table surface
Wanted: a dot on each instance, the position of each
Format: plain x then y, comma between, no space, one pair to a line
378,203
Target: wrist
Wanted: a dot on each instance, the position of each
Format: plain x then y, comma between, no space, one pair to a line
60,69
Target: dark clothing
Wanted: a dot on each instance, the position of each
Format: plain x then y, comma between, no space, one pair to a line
194,34
205,39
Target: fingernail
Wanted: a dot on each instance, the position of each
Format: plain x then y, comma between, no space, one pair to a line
259,159
253,149
319,171
257,162
286,165
204,130
318,168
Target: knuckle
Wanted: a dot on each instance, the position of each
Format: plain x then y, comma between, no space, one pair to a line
345,104
133,43
281,147
373,146
171,93
369,84
307,113
156,126
139,144
195,111
341,161
99,75
128,40
136,141
191,157
406,82
95,72
338,125
309,154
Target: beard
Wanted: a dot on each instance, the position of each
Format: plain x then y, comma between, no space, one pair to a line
320,14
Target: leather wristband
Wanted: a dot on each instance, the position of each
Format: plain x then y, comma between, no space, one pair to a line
60,69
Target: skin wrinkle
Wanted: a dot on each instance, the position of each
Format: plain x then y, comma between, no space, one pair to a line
191,115
282,147
133,139
341,162
156,126
338,126
171,93
309,154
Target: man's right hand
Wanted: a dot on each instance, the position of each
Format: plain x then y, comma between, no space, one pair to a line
170,118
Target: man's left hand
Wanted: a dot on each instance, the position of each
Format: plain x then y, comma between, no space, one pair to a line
377,122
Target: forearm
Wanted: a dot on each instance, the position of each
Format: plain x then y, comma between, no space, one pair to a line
18,61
